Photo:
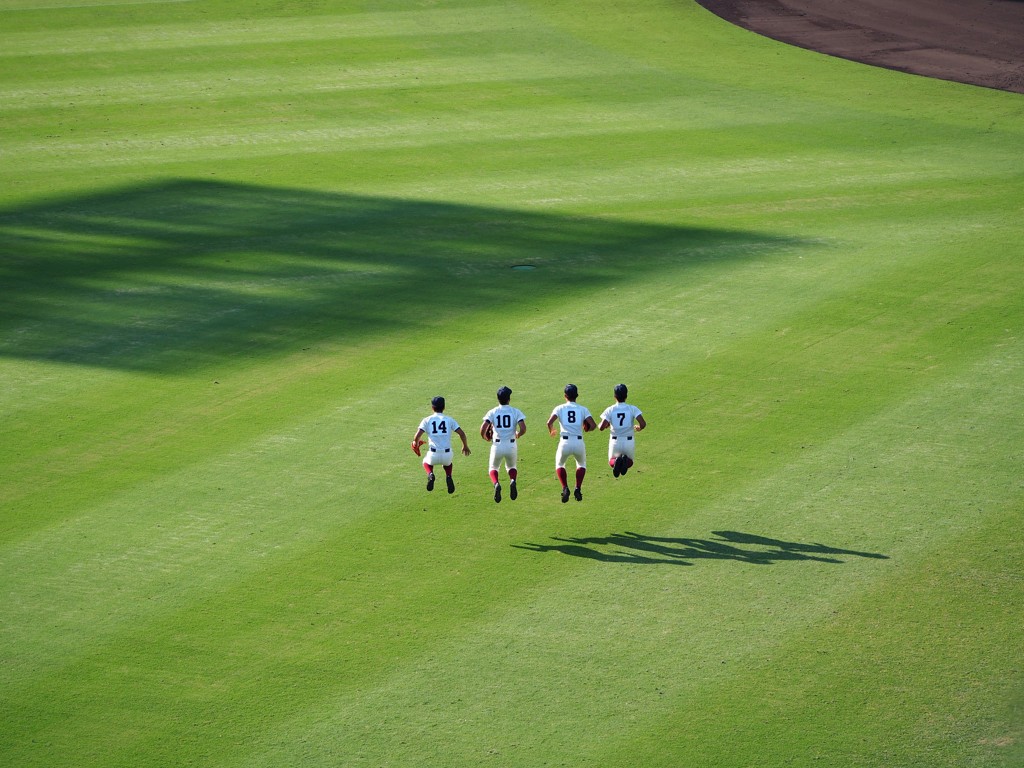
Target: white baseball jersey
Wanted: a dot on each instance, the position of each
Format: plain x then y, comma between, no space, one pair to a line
439,430
571,417
621,416
505,420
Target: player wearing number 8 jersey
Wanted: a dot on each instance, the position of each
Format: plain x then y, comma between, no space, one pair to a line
503,425
620,417
573,419
439,429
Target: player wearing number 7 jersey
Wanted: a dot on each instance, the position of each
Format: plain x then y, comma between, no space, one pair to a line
439,429
574,419
503,425
621,417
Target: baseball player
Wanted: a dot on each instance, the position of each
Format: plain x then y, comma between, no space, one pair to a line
620,417
503,425
573,419
439,429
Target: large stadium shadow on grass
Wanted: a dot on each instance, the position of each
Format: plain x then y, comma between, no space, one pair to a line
176,275
636,548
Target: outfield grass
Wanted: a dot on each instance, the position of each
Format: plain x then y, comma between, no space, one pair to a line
243,244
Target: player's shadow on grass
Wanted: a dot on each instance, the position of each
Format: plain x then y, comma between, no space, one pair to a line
177,275
636,548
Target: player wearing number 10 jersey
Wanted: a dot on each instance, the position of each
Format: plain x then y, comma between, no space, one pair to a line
439,429
574,419
503,425
620,417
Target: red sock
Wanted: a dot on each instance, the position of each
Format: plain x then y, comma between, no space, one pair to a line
580,472
448,470
428,468
563,476
494,475
611,462
512,474
629,463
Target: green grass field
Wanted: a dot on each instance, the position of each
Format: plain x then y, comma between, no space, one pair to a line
242,244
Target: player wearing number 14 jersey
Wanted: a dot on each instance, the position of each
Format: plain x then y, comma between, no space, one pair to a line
503,425
620,417
439,429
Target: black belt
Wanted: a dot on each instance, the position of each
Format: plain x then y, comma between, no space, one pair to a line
628,437
435,450
566,437
498,440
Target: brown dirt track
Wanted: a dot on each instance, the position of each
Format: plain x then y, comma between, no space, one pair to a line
980,42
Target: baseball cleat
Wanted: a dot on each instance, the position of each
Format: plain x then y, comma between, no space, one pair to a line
497,493
430,481
565,494
617,469
626,464
578,493
451,484
513,493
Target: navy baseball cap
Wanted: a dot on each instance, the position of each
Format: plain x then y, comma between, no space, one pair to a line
504,394
621,391
437,403
571,391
